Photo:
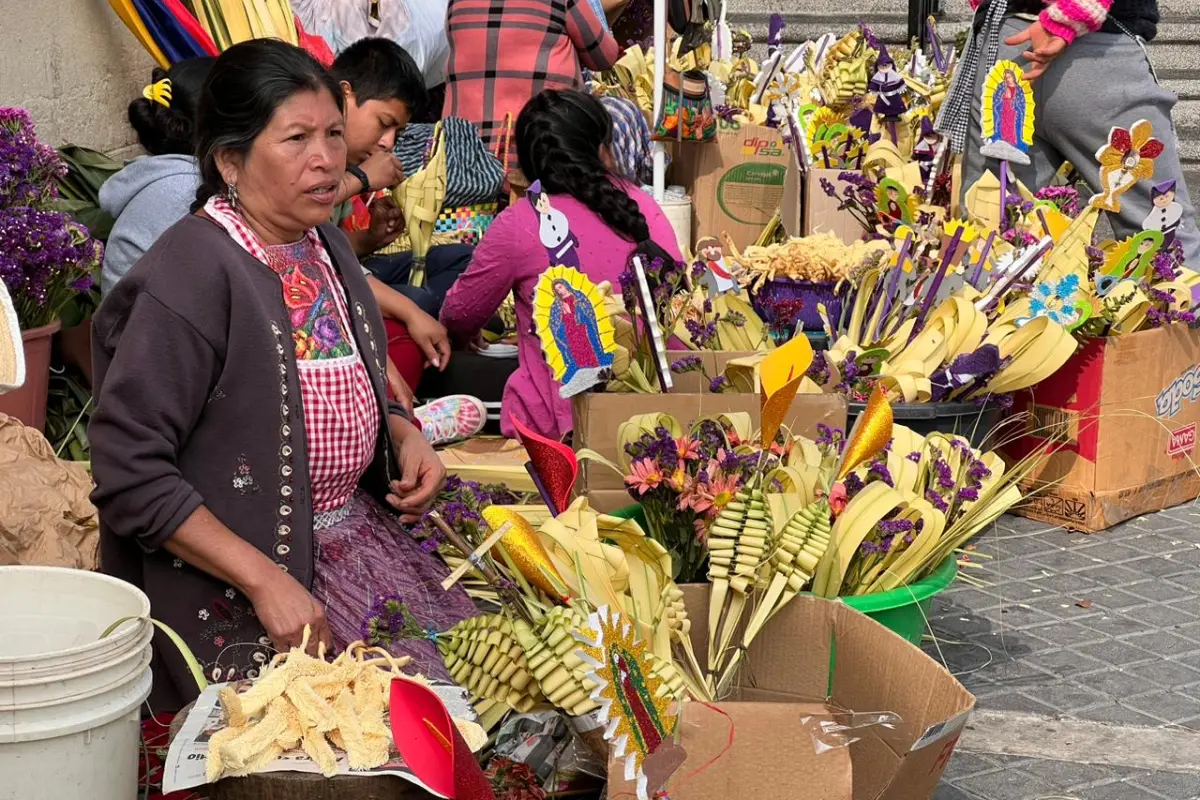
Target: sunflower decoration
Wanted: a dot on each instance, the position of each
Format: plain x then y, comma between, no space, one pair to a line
823,129
1127,158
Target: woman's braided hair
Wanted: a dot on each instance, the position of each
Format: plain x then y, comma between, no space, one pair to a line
559,136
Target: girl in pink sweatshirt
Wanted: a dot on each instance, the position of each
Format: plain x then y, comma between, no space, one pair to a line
584,217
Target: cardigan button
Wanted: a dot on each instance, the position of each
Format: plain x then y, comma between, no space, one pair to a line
285,510
286,430
283,531
282,550
285,490
286,450
285,471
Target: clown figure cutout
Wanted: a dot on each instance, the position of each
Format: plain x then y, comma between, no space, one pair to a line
553,229
1167,212
888,86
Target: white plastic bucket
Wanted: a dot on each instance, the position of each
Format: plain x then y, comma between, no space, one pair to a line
678,212
69,700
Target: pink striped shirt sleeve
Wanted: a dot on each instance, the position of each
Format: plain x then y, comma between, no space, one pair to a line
1069,18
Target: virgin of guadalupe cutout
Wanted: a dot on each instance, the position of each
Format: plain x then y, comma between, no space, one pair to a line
1007,110
554,230
575,329
1132,259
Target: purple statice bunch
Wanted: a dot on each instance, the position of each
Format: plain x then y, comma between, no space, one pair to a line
718,384
878,470
780,315
703,334
870,38
969,369
726,113
29,170
1095,257
660,447
1064,198
849,371
460,504
853,484
1165,313
858,197
831,437
388,621
818,371
1015,208
711,437
687,364
46,258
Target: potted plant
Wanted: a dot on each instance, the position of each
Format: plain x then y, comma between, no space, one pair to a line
46,258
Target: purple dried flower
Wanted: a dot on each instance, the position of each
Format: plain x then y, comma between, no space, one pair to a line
879,471
853,485
914,456
968,495
686,364
945,477
718,384
936,500
892,527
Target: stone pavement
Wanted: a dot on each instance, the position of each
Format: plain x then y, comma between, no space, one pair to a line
1075,628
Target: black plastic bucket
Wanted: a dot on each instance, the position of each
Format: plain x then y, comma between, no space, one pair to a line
972,421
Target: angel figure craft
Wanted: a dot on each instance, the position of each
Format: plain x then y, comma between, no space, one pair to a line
1008,113
574,327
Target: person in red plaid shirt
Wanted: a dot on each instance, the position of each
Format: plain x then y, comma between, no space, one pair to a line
503,52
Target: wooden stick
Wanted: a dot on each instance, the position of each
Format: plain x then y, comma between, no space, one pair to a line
474,559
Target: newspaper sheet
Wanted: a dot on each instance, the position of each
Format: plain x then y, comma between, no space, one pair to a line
188,754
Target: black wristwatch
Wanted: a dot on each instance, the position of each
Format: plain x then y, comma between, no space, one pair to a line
362,178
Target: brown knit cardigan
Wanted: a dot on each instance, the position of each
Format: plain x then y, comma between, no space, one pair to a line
197,402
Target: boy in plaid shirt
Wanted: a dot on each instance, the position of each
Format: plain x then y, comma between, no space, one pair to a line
503,52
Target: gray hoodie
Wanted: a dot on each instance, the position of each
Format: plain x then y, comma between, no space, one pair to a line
150,195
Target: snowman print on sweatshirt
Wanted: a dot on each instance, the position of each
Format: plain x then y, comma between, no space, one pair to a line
554,229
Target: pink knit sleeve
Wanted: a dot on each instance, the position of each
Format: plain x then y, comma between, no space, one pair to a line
495,268
1070,18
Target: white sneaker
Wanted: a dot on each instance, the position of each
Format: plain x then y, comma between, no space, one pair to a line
451,419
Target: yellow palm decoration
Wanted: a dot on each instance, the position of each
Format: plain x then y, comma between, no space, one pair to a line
421,197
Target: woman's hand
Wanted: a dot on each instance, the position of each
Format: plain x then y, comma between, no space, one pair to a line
399,388
1044,47
284,607
431,336
421,471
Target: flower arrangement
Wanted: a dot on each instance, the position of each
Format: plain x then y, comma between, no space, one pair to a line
685,478
46,259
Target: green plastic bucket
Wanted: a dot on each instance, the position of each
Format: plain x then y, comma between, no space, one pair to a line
902,611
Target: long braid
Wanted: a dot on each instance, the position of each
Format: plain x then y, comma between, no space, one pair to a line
559,136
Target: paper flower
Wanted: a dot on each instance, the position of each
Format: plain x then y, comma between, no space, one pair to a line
1055,300
1126,159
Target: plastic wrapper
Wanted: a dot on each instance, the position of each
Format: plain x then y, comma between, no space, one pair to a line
548,744
843,728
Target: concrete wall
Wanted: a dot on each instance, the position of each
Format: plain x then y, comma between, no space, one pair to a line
74,65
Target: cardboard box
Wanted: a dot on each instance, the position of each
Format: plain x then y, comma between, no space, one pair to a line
714,362
1120,420
480,458
597,416
779,747
820,211
735,181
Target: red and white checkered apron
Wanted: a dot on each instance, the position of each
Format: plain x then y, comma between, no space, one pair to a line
341,414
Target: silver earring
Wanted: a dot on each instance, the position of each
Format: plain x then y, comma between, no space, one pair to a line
231,194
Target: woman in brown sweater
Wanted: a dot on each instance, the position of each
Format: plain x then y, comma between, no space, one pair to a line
248,466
